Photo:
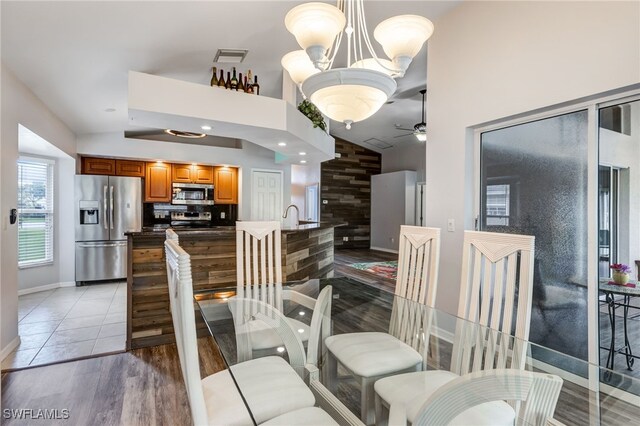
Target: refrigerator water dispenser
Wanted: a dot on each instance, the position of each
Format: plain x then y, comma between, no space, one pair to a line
89,212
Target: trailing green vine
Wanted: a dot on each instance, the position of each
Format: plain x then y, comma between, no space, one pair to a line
313,114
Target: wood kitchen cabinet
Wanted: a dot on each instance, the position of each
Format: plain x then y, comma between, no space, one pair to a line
98,166
189,173
225,185
130,168
157,183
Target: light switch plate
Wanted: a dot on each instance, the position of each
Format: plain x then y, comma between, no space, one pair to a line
222,215
451,225
325,201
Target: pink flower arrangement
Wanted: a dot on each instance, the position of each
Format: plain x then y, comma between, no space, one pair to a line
621,268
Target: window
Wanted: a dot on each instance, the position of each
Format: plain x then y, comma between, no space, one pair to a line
35,212
498,205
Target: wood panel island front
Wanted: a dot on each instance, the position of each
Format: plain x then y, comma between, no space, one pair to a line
307,252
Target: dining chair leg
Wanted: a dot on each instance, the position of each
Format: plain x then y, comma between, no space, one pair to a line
332,373
367,401
382,418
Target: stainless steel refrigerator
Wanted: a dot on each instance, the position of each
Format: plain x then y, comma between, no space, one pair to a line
106,208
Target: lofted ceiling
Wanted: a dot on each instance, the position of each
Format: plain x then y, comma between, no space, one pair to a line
75,56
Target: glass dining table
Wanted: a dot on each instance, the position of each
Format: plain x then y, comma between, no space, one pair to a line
590,394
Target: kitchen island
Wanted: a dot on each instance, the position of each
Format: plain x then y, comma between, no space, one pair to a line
307,252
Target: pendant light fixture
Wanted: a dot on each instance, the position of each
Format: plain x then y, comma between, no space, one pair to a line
358,91
420,129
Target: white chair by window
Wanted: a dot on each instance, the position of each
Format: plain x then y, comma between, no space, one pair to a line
215,400
259,277
371,356
489,300
538,393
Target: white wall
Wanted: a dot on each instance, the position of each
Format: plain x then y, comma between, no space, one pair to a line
249,157
490,60
19,106
405,156
393,203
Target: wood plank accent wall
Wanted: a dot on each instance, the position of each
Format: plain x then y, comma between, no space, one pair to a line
345,183
306,254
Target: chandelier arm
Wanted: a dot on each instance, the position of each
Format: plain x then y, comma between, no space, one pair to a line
367,40
349,33
360,30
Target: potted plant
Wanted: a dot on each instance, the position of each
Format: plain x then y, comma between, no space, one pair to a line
620,273
313,114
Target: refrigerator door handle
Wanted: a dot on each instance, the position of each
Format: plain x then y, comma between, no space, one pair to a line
111,206
104,207
99,245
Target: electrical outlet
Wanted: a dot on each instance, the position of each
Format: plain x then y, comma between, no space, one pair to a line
345,238
222,215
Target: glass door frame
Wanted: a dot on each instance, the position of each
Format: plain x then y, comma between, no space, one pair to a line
591,104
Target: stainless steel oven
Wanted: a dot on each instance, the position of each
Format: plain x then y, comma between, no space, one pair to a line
192,193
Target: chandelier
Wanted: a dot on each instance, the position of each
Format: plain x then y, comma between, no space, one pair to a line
354,93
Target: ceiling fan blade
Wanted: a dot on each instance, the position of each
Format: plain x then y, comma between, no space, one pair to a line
402,128
401,136
408,93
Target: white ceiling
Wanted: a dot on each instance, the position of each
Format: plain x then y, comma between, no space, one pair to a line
75,55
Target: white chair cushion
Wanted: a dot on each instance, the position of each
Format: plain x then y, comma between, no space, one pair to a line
372,354
264,336
413,389
269,385
312,416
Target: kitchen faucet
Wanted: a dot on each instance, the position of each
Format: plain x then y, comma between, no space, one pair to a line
286,212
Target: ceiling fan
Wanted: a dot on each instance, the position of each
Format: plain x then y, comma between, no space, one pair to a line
420,129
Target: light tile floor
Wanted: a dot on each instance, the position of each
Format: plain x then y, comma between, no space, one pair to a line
69,322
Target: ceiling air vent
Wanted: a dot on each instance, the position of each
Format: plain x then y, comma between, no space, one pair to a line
230,56
378,143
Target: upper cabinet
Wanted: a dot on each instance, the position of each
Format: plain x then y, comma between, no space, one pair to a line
111,167
157,183
98,166
130,168
225,185
187,173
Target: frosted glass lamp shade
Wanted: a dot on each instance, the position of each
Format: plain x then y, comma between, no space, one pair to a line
315,24
349,94
421,136
403,35
298,65
371,64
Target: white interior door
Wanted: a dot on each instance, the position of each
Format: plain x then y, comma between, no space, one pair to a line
266,195
311,202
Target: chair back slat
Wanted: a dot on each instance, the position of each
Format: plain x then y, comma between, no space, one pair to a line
184,325
416,282
320,326
488,293
171,235
259,261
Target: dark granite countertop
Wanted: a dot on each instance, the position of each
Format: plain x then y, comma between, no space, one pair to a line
223,230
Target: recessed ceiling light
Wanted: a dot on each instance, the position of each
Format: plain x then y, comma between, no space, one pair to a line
181,134
110,110
303,153
303,161
205,127
233,56
282,144
280,349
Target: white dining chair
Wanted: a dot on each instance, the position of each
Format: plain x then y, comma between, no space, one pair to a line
172,235
371,356
496,285
259,277
215,400
450,405
332,410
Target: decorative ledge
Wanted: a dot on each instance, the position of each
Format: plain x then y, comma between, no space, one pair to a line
165,103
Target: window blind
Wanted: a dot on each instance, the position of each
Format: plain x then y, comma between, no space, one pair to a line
35,212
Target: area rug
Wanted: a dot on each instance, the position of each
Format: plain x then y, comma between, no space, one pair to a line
384,269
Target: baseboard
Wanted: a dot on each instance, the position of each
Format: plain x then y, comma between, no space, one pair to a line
384,249
9,348
46,287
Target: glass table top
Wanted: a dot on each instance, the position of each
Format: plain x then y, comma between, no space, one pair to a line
590,394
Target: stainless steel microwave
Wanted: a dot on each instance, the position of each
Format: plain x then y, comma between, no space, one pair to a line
192,193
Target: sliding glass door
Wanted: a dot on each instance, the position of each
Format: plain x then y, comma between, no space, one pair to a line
533,181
